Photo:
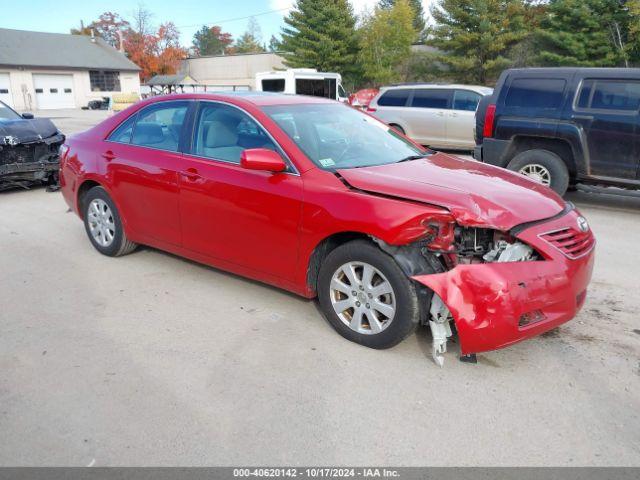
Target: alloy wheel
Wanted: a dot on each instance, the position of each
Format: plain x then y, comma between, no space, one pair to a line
101,222
362,298
537,172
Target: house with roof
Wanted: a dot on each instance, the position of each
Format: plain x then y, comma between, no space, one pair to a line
52,70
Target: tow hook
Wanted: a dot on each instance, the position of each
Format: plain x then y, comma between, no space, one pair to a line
440,329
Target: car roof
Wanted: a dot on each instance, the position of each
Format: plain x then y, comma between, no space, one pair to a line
570,70
438,85
259,99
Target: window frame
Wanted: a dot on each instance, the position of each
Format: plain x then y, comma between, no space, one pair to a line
595,80
406,102
449,101
564,93
466,90
188,151
182,141
103,73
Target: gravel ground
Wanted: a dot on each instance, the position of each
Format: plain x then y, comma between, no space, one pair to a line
150,359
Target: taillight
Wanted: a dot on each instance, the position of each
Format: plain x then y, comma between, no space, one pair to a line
489,119
371,109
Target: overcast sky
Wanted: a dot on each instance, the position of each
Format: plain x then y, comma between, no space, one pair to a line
188,15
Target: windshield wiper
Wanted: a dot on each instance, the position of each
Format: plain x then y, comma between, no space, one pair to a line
412,157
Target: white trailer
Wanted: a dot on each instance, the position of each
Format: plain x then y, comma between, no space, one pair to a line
302,81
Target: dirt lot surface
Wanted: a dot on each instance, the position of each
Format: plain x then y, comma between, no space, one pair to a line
150,359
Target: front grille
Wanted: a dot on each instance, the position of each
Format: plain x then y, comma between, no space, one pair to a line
30,153
570,241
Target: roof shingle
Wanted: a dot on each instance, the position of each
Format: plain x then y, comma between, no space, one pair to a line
59,50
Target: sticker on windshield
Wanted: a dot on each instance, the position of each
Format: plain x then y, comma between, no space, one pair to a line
327,162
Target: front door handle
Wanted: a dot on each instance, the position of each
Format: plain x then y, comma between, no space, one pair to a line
440,114
108,155
191,174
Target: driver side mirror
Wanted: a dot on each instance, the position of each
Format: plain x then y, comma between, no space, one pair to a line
262,159
27,116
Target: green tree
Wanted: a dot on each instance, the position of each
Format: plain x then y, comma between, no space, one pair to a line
476,36
585,33
211,41
321,34
419,24
385,41
250,40
274,44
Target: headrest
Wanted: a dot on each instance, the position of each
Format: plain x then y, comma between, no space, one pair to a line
147,133
220,134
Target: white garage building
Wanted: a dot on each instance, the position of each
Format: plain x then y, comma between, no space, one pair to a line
40,71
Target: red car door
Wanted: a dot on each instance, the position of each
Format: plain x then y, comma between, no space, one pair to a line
247,217
142,161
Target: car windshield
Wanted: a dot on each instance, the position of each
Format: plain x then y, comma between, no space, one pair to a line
337,136
6,113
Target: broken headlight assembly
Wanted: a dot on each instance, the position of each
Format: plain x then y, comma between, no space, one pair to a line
467,245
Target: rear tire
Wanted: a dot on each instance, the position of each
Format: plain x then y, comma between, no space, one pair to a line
103,224
401,305
544,167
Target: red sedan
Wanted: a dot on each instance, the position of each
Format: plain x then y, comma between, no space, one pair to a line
323,200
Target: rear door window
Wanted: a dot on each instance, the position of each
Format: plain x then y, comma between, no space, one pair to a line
160,126
465,100
601,94
394,98
538,93
438,98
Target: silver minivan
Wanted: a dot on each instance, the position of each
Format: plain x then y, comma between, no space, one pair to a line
440,116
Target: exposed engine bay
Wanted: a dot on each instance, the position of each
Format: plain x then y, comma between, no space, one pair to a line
28,150
444,247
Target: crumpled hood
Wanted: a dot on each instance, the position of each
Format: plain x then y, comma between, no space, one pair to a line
476,194
26,131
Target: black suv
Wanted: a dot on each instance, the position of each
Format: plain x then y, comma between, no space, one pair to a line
563,126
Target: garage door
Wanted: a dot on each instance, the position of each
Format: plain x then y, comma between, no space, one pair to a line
53,91
5,92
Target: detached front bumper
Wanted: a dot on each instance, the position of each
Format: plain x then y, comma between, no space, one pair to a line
498,304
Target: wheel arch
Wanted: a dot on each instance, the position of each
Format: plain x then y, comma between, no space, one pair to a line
324,248
84,187
562,148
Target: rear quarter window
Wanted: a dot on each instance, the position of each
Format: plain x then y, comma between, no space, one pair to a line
394,98
538,93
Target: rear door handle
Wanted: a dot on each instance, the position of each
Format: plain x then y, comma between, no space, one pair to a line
108,155
191,174
440,114
582,117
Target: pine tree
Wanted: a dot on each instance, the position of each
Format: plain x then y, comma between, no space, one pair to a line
476,36
419,24
250,41
321,34
584,33
385,40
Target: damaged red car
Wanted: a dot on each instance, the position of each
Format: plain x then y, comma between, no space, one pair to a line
325,201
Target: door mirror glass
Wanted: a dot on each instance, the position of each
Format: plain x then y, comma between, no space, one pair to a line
262,159
27,116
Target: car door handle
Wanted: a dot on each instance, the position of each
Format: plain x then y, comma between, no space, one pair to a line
191,174
440,114
454,114
582,117
108,155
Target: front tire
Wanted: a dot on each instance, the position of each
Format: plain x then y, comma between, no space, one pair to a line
103,224
544,167
366,297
